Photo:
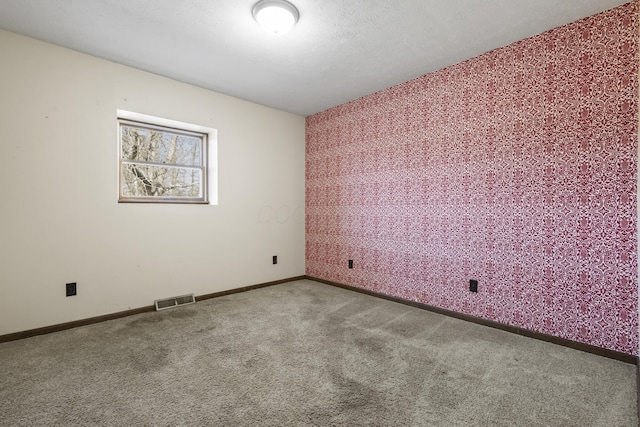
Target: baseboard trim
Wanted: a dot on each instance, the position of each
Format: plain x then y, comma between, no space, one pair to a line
623,357
74,324
89,321
611,354
248,288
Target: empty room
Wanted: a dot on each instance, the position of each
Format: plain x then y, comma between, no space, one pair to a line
319,213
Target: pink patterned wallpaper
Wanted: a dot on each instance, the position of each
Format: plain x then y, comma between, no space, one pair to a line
516,168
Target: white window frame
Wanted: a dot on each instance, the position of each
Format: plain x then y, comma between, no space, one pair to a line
208,156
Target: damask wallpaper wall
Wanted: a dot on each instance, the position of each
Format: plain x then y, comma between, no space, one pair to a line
516,168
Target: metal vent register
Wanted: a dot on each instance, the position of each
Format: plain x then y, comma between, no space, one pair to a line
162,304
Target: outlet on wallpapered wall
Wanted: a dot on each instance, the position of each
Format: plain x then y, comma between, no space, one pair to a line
473,285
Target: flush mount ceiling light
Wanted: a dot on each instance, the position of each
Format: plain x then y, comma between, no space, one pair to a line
275,16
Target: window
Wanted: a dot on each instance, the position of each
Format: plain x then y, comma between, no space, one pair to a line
161,164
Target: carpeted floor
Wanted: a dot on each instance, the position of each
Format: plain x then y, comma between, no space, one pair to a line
306,354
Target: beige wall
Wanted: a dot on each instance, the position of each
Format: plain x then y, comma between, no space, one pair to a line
60,220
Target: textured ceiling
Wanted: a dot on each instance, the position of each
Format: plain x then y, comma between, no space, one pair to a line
340,49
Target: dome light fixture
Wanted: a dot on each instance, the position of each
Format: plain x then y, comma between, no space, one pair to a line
275,16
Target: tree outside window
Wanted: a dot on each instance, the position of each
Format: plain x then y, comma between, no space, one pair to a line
161,164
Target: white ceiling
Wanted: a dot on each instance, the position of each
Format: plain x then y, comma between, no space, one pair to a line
340,49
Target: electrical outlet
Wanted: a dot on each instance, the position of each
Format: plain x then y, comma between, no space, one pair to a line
275,259
350,263
473,285
71,289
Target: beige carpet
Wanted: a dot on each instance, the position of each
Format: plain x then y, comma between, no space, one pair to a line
306,354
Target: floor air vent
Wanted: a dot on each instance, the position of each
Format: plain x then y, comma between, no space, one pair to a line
162,304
